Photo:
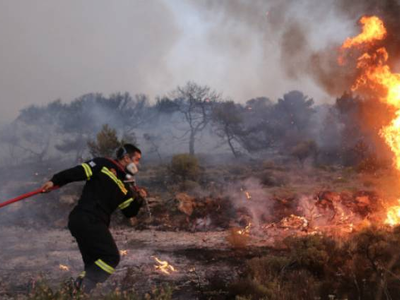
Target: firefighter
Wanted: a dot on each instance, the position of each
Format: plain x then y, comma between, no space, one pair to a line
106,189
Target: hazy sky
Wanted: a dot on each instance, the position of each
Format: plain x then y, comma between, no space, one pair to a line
62,49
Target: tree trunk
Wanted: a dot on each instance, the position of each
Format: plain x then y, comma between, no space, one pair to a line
191,143
232,148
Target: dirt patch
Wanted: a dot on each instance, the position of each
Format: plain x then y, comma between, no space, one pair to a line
199,260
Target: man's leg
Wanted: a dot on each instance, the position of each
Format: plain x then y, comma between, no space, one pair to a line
78,223
97,246
98,249
105,257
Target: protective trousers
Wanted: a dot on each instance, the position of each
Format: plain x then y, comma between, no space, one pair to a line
97,246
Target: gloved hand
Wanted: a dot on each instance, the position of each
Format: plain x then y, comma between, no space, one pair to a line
47,187
139,200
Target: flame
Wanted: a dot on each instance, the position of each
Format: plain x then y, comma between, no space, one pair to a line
372,29
245,231
164,266
63,267
393,215
123,252
377,79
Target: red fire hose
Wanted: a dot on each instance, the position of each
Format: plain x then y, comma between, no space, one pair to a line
24,196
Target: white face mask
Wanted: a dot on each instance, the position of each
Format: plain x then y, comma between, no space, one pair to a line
132,168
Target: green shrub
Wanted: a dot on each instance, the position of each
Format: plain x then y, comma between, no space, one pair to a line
264,269
364,266
107,142
309,252
184,167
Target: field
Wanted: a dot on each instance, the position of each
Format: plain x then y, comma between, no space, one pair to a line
239,231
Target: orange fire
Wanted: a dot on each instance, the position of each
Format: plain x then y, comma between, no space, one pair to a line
123,252
372,30
393,215
245,231
164,266
63,267
377,79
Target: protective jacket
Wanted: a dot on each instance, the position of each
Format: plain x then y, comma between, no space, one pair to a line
105,189
104,192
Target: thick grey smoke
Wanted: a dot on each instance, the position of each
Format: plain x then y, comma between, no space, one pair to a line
52,51
244,49
306,34
293,36
60,50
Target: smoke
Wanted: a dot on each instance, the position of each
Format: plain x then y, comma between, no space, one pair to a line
251,195
243,48
52,50
306,34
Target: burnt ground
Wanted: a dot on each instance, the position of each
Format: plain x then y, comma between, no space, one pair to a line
205,262
191,233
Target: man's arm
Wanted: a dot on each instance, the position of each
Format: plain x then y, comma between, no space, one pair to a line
130,207
81,172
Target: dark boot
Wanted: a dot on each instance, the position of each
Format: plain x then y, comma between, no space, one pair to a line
87,285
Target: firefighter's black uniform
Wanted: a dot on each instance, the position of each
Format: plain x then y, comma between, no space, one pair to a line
103,193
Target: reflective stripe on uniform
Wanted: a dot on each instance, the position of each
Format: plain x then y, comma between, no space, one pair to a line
115,179
88,170
107,268
125,204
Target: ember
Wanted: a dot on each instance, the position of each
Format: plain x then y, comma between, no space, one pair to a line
248,196
63,267
164,266
294,222
245,231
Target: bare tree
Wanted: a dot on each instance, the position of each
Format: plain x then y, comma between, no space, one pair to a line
227,119
154,142
130,112
195,103
35,128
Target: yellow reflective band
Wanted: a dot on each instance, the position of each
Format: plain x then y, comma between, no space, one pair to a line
125,204
104,266
115,179
88,170
83,274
